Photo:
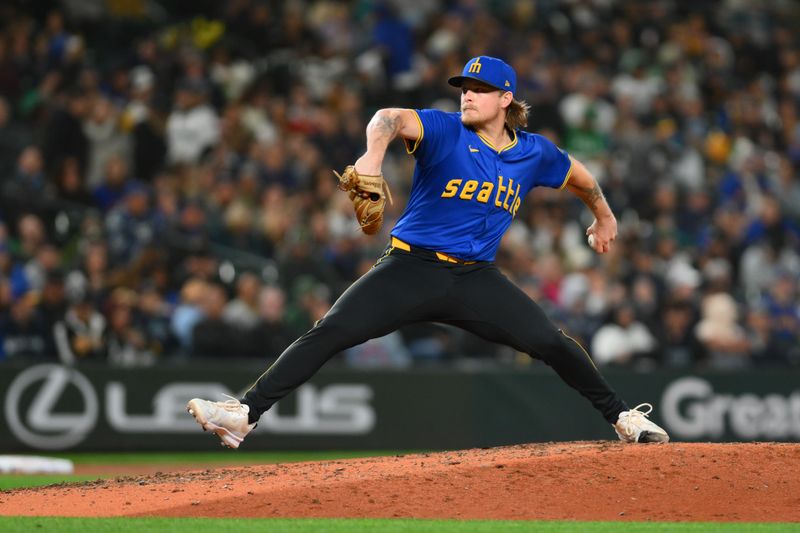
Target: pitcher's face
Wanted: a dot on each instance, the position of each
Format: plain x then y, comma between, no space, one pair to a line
481,103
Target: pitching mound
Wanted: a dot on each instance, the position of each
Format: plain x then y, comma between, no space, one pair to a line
757,482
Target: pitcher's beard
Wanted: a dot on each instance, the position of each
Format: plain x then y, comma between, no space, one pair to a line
474,121
471,121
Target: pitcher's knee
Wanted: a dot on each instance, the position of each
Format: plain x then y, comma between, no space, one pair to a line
336,334
553,344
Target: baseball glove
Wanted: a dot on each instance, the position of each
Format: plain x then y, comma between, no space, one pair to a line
368,194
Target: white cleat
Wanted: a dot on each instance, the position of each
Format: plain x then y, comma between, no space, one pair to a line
227,419
633,426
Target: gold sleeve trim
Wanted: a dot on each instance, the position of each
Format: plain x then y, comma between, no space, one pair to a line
410,149
569,174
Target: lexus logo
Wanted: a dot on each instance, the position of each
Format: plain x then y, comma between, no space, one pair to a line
39,425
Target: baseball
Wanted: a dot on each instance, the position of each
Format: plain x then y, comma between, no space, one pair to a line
590,239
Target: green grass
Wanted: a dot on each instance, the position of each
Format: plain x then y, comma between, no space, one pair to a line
177,525
15,481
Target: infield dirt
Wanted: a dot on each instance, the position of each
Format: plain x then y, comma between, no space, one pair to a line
753,482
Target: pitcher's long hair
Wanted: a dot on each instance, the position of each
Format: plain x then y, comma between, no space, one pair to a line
517,114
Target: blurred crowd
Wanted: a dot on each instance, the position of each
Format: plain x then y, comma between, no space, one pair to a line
167,189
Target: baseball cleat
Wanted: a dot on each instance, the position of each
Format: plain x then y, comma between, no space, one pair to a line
633,426
227,419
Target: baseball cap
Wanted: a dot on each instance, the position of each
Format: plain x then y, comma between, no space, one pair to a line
489,70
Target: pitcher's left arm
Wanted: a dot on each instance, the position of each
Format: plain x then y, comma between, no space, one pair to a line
583,184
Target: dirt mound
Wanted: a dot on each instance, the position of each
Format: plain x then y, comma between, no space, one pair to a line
757,482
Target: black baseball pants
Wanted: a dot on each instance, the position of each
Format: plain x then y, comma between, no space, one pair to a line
412,286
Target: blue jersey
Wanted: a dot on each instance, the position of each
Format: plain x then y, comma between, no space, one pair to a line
466,191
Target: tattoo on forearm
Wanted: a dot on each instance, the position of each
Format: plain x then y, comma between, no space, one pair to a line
590,195
595,194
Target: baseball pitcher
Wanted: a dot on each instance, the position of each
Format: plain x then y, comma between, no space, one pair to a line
473,170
